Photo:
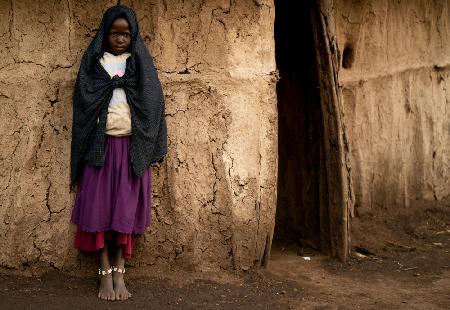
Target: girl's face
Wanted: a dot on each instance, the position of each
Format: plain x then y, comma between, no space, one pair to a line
119,36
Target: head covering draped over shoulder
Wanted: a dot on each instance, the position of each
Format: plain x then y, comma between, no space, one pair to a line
93,91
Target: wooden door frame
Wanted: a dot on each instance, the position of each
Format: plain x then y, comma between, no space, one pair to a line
336,149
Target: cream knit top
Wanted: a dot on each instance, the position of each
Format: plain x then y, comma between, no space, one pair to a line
118,122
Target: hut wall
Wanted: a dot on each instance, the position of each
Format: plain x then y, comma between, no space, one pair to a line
396,90
213,197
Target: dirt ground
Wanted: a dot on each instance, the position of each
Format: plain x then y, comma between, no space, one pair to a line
402,263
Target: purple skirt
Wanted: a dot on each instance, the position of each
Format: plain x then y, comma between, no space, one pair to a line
112,197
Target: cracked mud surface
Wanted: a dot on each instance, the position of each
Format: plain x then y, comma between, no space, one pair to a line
211,197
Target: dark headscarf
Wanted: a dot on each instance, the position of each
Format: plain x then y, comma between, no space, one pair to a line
93,92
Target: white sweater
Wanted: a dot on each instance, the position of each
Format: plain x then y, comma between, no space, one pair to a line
118,122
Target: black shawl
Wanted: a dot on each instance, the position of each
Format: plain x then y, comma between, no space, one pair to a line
93,91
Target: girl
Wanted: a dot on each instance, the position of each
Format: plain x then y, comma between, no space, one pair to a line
118,131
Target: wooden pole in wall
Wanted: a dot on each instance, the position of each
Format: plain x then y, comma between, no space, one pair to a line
338,178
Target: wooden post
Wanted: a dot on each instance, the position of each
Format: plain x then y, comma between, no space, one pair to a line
337,188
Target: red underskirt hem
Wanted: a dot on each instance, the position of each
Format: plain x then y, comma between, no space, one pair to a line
95,241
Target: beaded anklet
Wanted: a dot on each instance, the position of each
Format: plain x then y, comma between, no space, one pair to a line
119,270
105,272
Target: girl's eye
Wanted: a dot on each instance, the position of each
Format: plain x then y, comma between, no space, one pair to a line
115,34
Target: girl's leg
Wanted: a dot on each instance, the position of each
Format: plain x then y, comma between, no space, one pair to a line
106,291
119,283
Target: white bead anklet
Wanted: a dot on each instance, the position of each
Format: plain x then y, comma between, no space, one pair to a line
105,272
119,270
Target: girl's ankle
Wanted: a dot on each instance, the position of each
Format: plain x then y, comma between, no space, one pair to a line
105,271
118,269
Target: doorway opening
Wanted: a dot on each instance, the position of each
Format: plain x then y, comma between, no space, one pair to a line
302,181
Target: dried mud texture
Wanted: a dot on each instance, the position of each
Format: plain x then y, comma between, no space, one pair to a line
395,87
214,195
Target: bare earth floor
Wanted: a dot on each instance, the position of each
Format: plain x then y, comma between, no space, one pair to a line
399,280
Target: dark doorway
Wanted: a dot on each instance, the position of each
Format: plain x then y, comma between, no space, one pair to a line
301,169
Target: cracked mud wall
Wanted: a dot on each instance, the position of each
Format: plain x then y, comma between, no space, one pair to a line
213,197
396,89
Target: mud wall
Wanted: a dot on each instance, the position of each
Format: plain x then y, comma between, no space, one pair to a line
213,197
395,86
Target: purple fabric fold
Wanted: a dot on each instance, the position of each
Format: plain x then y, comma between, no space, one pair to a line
112,197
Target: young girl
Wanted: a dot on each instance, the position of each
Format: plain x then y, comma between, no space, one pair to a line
118,131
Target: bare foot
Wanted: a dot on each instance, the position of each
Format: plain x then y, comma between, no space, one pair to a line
119,286
106,291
